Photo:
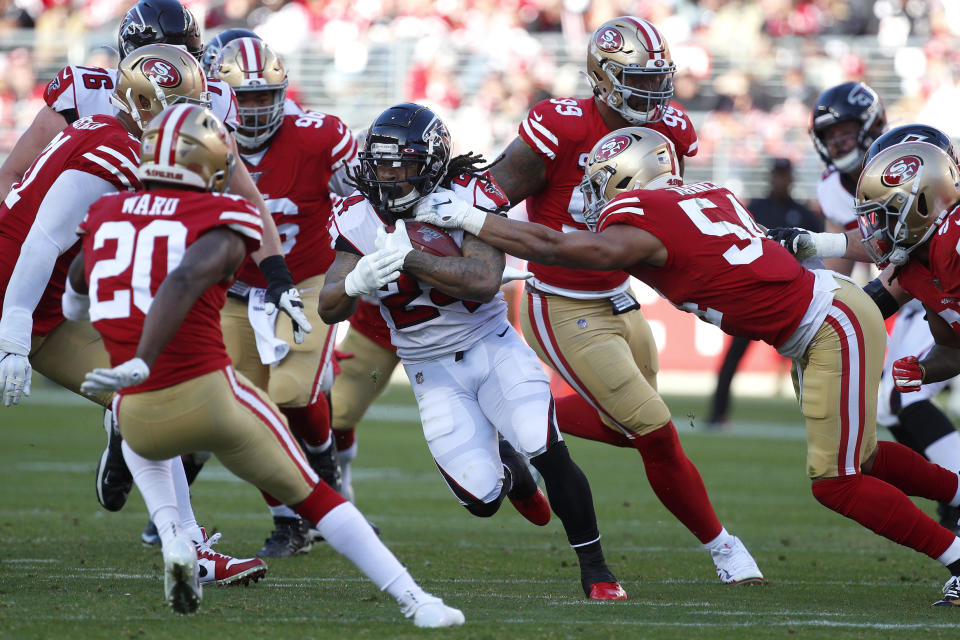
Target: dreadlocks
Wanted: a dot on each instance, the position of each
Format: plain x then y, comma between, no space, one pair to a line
466,164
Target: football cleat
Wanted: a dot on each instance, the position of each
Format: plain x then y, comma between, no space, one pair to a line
948,516
217,568
607,591
150,535
290,537
524,494
428,611
181,584
735,565
114,480
951,593
326,464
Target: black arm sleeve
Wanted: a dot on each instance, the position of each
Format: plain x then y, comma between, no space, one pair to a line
340,244
887,304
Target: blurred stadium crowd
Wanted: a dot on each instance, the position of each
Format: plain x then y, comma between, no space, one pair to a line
748,71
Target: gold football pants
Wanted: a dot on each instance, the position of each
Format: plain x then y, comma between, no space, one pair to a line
67,353
362,378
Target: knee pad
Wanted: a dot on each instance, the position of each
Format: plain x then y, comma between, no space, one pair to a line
286,390
644,418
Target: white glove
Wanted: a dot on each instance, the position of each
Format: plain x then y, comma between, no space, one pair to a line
397,240
15,375
511,273
128,374
373,271
76,306
443,208
291,304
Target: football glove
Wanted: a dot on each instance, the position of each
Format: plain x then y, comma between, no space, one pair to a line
281,293
511,273
397,240
443,208
130,373
908,374
76,306
803,244
373,271
15,375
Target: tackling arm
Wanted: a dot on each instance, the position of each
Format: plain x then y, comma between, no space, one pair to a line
475,276
41,131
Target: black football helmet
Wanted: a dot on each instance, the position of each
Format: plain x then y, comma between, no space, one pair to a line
848,102
216,45
403,134
911,133
159,22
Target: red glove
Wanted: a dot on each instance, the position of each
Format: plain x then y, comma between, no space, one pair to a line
337,357
907,374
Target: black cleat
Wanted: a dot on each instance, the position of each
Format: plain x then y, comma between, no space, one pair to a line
951,593
114,481
290,537
948,517
326,464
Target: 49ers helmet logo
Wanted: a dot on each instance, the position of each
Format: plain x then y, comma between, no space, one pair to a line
164,73
609,40
901,170
611,148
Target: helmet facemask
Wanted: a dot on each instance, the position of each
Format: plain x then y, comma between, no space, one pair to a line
388,194
630,96
259,123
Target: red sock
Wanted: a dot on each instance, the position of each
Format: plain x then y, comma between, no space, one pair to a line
344,438
677,482
319,503
577,417
270,500
312,423
913,474
885,510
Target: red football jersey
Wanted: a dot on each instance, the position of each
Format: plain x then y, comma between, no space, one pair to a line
938,287
368,322
131,242
562,131
719,264
98,145
294,177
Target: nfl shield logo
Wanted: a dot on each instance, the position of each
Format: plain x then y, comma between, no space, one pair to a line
419,377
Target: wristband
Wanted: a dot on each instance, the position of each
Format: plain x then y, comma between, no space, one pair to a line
830,245
275,270
887,304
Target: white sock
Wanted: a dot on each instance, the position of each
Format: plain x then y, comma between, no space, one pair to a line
188,521
718,542
347,531
349,454
952,554
346,458
320,448
945,451
154,479
283,511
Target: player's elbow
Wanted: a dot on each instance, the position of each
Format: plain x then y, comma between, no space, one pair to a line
333,308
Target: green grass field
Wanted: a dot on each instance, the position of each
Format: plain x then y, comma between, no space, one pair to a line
69,569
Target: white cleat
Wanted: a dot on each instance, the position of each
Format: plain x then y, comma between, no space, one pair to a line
735,565
180,579
429,612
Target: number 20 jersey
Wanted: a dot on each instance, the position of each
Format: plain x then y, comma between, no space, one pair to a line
424,322
132,242
562,132
719,264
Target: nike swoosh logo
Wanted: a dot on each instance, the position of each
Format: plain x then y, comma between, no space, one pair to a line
537,116
500,335
440,204
66,73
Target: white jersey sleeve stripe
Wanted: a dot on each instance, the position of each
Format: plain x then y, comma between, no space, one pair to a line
109,167
241,216
546,132
124,160
243,229
540,145
344,141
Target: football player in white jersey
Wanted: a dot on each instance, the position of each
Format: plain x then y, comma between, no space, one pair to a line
472,375
912,418
77,92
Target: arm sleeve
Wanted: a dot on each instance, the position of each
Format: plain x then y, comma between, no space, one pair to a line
52,233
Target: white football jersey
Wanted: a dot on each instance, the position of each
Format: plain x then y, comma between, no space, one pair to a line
835,201
88,90
424,322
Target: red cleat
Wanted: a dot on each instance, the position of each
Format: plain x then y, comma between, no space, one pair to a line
221,569
536,509
607,591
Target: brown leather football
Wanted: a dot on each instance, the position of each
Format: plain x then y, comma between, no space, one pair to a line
430,239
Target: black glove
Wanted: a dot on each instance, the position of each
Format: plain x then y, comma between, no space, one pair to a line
795,240
281,293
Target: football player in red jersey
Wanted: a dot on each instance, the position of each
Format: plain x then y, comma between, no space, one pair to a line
297,161
81,91
158,263
93,156
585,323
701,249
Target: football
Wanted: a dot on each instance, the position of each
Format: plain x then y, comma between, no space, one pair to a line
430,239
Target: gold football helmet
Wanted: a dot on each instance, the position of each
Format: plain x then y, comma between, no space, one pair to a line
903,194
188,146
250,65
156,76
624,160
630,69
